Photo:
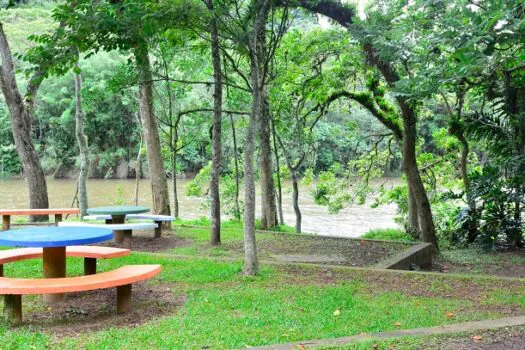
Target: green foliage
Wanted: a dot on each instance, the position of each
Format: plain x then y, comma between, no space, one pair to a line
388,234
196,187
308,177
119,198
331,191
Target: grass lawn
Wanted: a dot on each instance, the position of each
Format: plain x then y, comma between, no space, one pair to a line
287,247
216,307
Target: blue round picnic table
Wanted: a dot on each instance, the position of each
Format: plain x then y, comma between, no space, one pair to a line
54,241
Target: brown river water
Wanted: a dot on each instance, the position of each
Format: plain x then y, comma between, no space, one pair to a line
352,221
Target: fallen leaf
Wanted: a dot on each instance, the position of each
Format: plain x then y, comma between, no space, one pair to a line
398,324
450,315
477,337
337,312
301,347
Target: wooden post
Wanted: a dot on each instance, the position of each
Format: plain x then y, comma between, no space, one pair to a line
13,309
124,299
58,218
90,266
126,239
1,270
118,235
54,267
158,229
6,222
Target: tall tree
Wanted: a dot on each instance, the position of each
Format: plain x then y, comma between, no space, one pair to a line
259,11
20,110
157,173
344,15
129,26
82,144
215,234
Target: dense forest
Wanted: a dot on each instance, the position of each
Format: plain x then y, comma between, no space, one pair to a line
248,93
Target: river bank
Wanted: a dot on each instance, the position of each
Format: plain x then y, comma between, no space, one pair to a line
353,221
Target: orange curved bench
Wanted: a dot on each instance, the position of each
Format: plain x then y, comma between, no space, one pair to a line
7,213
89,253
122,278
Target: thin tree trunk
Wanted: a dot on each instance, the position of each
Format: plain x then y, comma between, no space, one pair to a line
138,170
251,263
159,183
20,114
174,171
297,210
82,145
279,186
174,139
269,210
471,202
236,162
215,233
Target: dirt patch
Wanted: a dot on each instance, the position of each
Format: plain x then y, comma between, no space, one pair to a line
143,241
503,339
504,262
95,310
503,270
320,250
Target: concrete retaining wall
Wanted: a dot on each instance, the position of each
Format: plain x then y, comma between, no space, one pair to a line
419,255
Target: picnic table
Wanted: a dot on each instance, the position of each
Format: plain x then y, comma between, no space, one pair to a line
54,241
7,213
118,215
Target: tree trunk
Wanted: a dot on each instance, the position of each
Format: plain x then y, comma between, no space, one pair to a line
297,210
174,172
413,217
251,263
159,183
138,170
21,127
82,145
471,202
215,233
279,186
236,162
426,223
269,210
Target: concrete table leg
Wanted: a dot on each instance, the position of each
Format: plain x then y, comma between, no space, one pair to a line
6,222
90,266
126,239
158,229
13,309
58,218
124,298
118,235
54,267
